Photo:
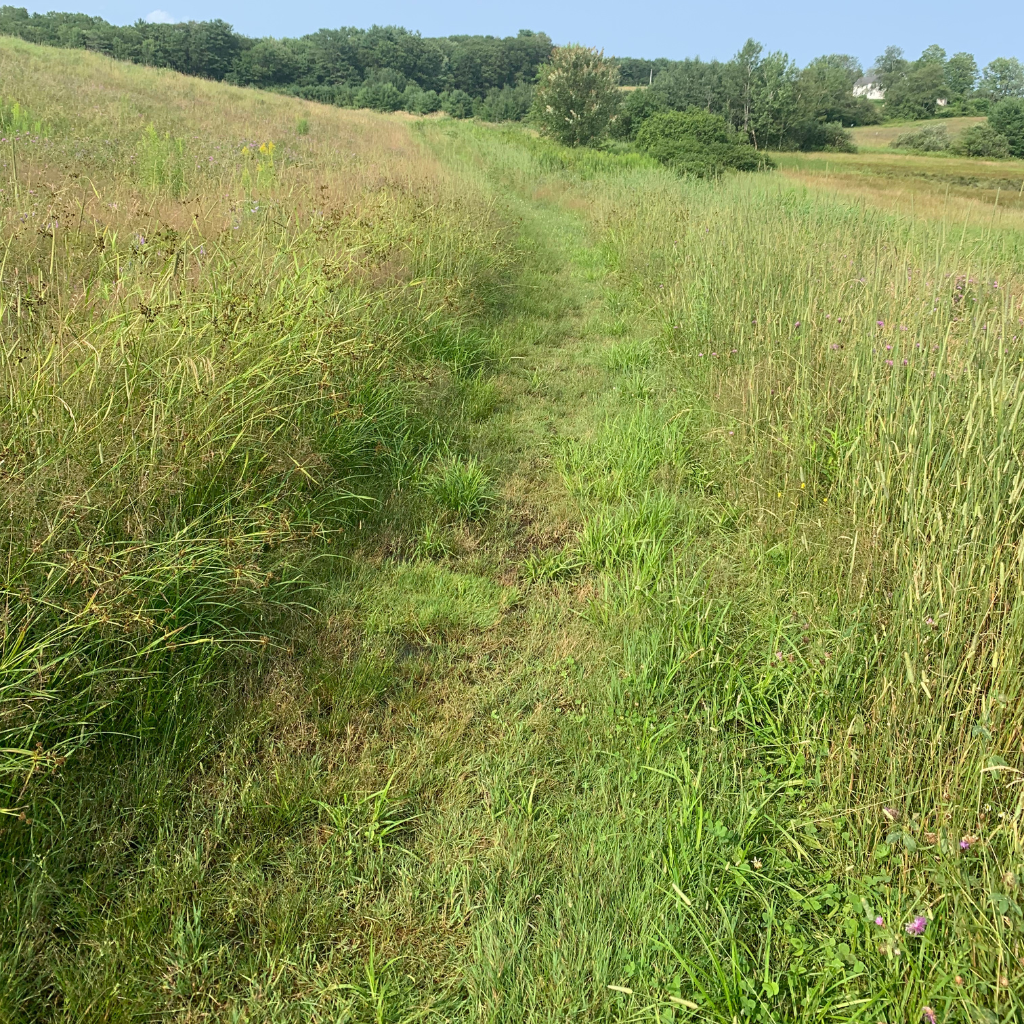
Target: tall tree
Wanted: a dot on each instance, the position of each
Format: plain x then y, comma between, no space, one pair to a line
961,73
1003,78
577,95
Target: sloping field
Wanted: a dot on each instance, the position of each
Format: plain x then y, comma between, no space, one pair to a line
878,137
987,195
449,577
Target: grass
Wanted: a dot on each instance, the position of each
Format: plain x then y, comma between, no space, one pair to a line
970,193
666,661
878,137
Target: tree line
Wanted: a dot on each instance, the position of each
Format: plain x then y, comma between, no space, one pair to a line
705,120
765,95
338,62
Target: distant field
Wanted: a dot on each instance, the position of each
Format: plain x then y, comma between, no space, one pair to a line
984,193
879,136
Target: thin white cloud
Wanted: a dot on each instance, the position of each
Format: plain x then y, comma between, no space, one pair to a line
160,18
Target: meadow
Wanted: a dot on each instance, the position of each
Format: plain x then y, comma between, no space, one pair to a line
451,577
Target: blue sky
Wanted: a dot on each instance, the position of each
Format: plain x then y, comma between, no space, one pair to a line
682,28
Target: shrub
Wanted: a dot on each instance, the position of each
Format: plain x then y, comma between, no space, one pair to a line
933,138
383,96
814,135
637,107
506,104
457,103
577,96
980,140
419,101
698,143
1007,118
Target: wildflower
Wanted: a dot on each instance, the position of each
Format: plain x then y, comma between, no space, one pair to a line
778,655
917,926
756,863
880,921
881,323
928,1015
797,323
964,844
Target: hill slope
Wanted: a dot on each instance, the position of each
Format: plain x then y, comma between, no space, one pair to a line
670,668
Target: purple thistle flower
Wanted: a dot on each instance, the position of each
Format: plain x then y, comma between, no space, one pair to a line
964,844
917,926
928,1015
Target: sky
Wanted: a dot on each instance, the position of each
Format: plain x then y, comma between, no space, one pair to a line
656,28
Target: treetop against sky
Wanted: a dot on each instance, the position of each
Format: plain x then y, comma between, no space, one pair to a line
659,29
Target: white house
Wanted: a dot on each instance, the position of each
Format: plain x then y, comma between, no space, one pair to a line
867,85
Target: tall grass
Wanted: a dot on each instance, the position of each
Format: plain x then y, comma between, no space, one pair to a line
805,520
700,683
210,370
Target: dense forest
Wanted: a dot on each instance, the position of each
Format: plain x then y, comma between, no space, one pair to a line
766,95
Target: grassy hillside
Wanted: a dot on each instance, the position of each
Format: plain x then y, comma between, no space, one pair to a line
455,578
877,137
987,195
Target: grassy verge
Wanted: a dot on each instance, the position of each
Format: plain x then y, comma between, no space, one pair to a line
687,678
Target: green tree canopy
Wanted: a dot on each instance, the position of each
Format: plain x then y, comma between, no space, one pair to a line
961,73
1003,78
1007,118
577,96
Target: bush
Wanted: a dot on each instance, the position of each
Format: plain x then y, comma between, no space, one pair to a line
383,96
457,103
980,140
637,107
419,101
831,136
932,138
698,143
1007,118
577,97
506,104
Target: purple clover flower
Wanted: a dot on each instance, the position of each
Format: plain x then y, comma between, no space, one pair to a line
917,926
